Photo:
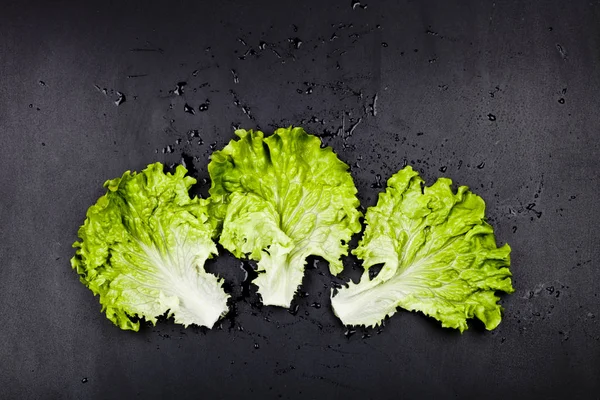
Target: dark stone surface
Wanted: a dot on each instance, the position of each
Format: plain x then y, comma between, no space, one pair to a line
440,74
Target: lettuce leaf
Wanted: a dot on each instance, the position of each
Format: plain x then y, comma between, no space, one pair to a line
439,257
143,247
280,199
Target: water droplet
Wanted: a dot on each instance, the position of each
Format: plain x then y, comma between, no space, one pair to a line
377,183
262,45
193,133
316,305
189,109
373,106
249,275
84,380
309,90
481,165
30,105
296,42
195,72
236,79
562,51
443,169
42,83
384,44
256,346
349,332
179,88
203,107
491,117
294,309
120,99
561,100
356,4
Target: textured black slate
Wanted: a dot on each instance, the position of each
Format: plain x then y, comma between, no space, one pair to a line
503,97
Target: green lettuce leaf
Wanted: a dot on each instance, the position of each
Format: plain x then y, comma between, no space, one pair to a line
143,247
439,257
281,199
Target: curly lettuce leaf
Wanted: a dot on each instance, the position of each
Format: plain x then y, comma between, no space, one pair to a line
143,247
281,199
439,257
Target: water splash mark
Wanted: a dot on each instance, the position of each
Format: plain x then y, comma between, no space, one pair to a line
377,184
373,106
562,51
494,91
249,52
352,127
357,4
276,53
189,109
179,88
121,98
237,103
295,42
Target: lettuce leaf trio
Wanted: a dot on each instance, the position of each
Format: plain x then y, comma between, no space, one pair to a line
278,200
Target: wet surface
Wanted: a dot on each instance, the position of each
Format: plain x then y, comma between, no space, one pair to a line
500,97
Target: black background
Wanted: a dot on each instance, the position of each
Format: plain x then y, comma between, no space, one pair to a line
437,70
